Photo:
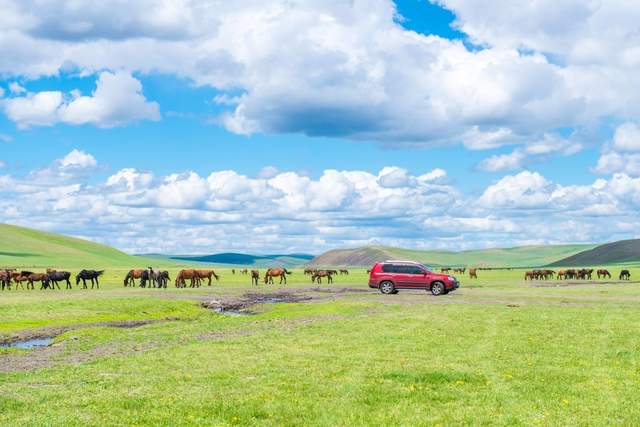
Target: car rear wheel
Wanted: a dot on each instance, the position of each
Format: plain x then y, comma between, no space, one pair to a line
387,288
438,288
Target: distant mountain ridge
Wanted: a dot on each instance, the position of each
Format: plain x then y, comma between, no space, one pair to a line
623,251
241,259
524,256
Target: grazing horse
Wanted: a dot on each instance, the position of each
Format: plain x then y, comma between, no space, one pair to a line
319,274
276,272
187,274
92,275
344,271
133,274
201,274
56,276
562,274
309,271
19,277
602,273
244,271
5,279
148,275
255,277
625,275
473,274
38,277
445,270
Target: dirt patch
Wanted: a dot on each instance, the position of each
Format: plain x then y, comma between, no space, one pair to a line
340,290
245,302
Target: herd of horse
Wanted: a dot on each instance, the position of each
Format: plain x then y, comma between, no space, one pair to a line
152,278
48,280
473,272
581,274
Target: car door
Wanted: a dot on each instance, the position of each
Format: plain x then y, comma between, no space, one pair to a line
416,277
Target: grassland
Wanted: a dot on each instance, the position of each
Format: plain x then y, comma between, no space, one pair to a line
498,351
25,247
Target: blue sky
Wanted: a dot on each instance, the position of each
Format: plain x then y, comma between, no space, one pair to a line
449,125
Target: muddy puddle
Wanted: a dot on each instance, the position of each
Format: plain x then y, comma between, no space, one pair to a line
29,344
241,306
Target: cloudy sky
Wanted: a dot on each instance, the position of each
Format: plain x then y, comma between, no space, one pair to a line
200,126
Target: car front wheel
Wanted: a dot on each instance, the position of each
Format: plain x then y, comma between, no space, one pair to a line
438,288
387,288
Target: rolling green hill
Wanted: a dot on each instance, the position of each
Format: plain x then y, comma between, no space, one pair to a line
524,256
624,251
25,247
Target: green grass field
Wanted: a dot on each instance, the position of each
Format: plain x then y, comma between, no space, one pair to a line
498,351
25,247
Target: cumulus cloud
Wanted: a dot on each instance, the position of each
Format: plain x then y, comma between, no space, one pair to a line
622,153
349,69
117,100
188,213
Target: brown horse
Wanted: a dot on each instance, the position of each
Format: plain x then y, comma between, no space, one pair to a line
473,273
276,272
201,274
244,271
43,278
255,277
187,274
19,277
309,271
133,274
319,274
602,273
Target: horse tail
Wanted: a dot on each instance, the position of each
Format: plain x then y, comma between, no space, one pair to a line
100,273
286,271
215,275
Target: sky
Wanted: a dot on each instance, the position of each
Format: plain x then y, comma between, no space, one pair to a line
281,126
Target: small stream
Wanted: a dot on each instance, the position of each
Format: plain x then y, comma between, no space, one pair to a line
29,344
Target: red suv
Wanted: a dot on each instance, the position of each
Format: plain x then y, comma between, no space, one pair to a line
389,276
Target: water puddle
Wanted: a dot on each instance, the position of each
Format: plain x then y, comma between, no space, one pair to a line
29,344
233,313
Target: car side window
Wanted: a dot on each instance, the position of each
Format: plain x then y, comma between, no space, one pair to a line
412,269
389,268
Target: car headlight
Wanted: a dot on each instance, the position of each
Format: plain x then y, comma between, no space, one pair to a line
453,279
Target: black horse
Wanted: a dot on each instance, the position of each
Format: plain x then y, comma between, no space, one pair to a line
85,275
625,275
56,276
156,278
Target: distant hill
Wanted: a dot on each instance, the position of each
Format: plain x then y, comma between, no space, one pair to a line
238,259
623,251
26,247
524,256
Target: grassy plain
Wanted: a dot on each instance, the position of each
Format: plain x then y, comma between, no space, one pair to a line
498,351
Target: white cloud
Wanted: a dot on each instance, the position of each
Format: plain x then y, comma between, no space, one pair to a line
117,100
622,154
348,69
228,211
35,109
627,137
15,88
503,162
